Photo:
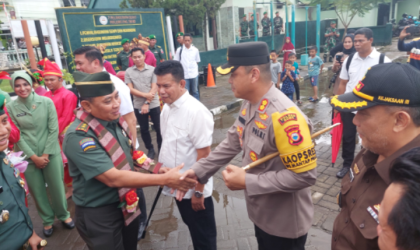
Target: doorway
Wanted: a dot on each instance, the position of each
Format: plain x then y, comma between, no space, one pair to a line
384,10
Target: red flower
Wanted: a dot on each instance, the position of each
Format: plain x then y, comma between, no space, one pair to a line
131,197
137,154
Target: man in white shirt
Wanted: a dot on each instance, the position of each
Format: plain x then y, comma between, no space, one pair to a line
189,56
187,129
351,73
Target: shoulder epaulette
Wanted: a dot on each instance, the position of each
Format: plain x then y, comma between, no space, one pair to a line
158,46
83,127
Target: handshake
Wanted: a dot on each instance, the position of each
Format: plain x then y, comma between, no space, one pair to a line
233,176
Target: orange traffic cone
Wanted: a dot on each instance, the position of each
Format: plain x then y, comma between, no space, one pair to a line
210,78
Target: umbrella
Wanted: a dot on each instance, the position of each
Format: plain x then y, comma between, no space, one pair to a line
336,133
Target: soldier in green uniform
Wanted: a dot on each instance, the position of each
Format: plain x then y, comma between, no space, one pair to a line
332,34
16,229
278,24
98,149
156,49
180,38
244,27
266,24
122,56
251,26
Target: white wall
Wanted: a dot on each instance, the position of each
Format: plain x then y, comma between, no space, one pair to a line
35,9
369,19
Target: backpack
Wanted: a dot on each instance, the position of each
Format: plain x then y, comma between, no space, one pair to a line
381,60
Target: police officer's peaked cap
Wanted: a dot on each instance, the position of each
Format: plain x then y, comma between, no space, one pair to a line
392,84
93,85
245,54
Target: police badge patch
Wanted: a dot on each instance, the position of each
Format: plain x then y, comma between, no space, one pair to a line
293,132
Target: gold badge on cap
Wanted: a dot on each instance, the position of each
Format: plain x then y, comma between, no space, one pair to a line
4,216
356,169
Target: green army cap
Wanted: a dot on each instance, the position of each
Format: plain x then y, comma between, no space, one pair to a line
265,12
125,40
244,16
179,34
152,37
2,104
93,85
333,22
277,12
245,54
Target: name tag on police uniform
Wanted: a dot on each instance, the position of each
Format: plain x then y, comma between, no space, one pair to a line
21,114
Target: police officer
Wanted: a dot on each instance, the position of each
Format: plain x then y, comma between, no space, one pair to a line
278,24
388,122
156,49
251,26
16,230
266,24
98,147
277,192
244,27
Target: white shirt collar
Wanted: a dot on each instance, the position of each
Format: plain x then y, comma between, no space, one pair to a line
178,103
373,54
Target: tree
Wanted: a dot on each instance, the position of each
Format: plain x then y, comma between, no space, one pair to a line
212,7
346,10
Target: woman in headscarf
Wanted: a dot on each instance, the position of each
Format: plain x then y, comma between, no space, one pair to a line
36,118
288,48
348,49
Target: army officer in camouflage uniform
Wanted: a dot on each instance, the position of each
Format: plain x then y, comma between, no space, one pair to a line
98,149
278,24
156,50
16,229
244,27
266,23
251,26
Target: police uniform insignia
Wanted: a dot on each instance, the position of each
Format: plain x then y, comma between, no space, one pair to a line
240,131
287,117
253,156
293,132
83,127
243,112
260,125
377,207
294,143
241,120
263,105
241,142
359,86
15,172
356,169
263,116
130,142
87,143
6,161
373,214
124,133
22,183
4,216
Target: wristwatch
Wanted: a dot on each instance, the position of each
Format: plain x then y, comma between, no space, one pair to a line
198,194
147,102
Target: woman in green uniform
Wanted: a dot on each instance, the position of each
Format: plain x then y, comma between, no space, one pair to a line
36,118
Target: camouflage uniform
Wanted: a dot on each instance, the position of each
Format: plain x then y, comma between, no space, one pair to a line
278,25
330,42
266,23
251,28
244,28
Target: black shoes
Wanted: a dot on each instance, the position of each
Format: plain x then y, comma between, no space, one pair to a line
68,225
48,232
342,172
151,154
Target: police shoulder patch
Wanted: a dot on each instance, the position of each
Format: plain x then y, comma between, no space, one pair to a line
87,143
83,127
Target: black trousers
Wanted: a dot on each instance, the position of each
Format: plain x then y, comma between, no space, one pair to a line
143,120
297,89
143,210
349,138
202,224
102,228
271,242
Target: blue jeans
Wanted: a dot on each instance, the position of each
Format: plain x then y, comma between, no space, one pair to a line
192,86
290,96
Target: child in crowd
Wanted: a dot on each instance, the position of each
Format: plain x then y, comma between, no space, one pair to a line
288,77
275,68
315,66
295,68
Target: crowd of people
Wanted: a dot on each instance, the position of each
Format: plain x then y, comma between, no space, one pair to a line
85,139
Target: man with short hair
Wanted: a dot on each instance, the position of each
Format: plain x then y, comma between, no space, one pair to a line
98,148
65,102
88,59
251,27
187,125
180,38
388,122
353,70
277,192
122,56
399,211
142,83
278,24
156,50
189,56
243,27
332,34
266,24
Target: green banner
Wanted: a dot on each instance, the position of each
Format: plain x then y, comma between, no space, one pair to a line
92,27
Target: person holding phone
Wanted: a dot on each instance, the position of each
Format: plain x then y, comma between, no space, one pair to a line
413,47
348,49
